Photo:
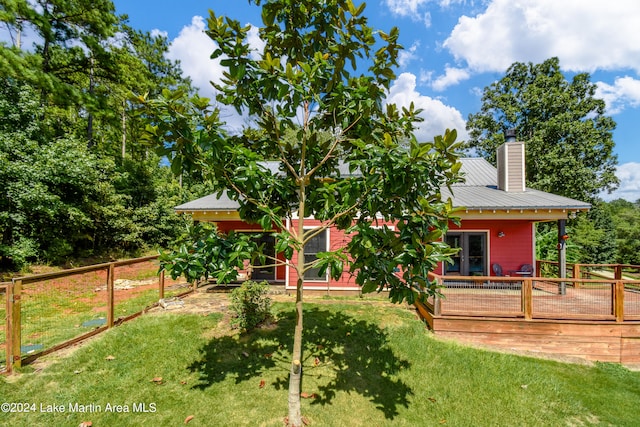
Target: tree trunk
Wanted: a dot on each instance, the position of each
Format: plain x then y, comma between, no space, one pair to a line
124,128
90,142
295,376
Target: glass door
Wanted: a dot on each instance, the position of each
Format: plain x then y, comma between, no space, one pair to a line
471,260
455,269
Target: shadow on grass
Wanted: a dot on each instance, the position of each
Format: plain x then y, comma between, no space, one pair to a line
341,354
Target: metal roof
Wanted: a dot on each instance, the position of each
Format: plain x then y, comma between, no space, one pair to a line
489,197
209,203
478,171
479,191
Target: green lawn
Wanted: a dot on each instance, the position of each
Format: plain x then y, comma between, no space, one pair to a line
365,365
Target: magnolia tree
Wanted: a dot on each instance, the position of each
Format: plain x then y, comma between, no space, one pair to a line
313,115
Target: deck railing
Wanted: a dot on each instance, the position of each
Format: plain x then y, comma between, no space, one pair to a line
588,271
589,299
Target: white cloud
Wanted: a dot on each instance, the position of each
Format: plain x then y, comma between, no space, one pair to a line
452,76
585,35
193,48
625,91
405,7
437,116
159,33
257,44
425,76
629,176
405,56
411,9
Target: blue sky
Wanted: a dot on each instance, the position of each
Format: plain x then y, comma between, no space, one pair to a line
455,48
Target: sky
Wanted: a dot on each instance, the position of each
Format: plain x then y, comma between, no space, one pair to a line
453,50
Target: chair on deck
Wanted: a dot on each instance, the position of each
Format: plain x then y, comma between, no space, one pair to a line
526,270
497,269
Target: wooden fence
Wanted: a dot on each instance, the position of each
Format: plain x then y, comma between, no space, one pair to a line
95,295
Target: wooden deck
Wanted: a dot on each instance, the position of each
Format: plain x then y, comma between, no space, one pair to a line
574,318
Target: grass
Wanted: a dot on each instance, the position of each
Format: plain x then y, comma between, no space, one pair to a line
364,365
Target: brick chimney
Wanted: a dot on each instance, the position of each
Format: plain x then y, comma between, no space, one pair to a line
510,162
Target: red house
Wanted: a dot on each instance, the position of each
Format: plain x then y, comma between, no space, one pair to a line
498,217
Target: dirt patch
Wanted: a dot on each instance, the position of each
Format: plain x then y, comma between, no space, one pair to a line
209,299
199,302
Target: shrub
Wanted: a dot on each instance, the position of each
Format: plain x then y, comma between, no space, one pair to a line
16,257
250,305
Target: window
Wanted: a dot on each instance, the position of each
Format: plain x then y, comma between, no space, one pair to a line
319,243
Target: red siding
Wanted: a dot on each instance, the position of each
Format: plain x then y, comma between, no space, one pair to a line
337,239
510,251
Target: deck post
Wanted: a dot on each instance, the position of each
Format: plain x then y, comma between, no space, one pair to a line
562,255
618,299
437,305
527,299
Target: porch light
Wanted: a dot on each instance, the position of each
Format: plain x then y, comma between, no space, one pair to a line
501,234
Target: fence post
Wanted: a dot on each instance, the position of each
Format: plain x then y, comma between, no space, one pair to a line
161,285
618,299
8,347
527,299
16,324
110,305
576,274
618,272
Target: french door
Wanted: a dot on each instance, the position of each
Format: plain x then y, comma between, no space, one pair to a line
471,260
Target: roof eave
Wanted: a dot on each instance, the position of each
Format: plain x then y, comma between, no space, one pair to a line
525,213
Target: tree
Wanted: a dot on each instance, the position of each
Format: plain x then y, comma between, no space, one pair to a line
71,47
72,85
595,234
311,114
141,67
569,142
59,199
48,185
626,224
591,238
